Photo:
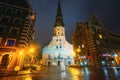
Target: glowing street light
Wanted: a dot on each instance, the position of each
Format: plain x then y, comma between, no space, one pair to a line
31,50
78,49
83,45
20,52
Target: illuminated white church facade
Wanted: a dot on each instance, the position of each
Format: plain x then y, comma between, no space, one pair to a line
58,51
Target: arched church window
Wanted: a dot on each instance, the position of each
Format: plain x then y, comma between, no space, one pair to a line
60,46
56,47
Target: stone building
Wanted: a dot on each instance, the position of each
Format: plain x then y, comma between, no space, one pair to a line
17,27
58,51
94,44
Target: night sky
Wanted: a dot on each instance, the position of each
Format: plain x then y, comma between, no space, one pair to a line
107,11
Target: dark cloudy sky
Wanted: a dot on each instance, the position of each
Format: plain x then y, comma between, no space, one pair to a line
107,11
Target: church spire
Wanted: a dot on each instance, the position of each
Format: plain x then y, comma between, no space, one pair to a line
59,17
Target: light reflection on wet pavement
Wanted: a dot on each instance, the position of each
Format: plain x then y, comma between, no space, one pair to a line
55,73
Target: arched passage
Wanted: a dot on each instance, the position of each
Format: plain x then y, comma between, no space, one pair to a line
5,60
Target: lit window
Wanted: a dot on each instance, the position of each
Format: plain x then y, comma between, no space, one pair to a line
10,42
100,36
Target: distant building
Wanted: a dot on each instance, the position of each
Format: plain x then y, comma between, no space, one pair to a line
58,51
17,27
96,45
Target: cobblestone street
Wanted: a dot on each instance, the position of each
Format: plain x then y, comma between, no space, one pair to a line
58,73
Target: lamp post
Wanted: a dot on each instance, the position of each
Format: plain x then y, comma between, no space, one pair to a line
19,63
31,58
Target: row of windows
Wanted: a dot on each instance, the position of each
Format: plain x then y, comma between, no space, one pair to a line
9,10
59,33
58,47
9,42
13,30
58,39
97,30
6,19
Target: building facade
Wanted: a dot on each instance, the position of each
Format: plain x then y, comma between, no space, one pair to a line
58,51
92,44
115,42
17,27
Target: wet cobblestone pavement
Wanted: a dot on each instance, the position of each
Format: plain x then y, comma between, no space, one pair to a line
57,73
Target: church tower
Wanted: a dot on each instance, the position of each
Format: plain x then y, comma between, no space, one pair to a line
58,51
59,25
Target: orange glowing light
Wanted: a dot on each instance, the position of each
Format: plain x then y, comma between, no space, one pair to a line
78,50
32,17
20,52
31,50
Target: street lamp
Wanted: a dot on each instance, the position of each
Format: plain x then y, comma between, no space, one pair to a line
31,52
78,49
31,58
20,52
19,63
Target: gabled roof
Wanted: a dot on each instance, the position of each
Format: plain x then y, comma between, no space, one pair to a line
94,20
